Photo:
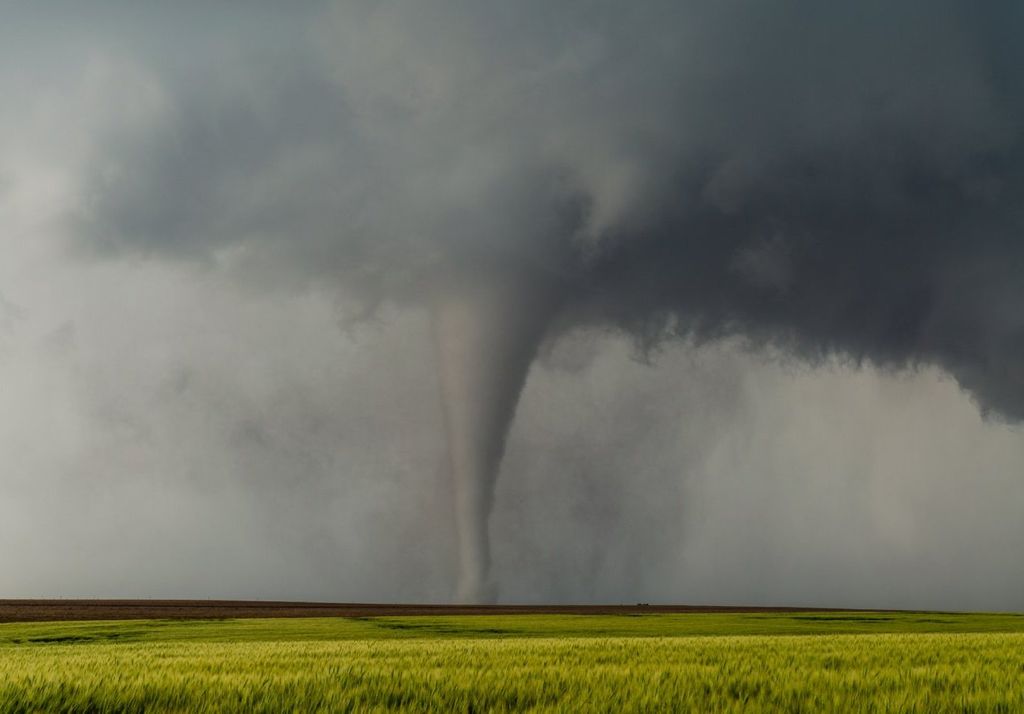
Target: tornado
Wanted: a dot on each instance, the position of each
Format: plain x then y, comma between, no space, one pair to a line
486,330
801,178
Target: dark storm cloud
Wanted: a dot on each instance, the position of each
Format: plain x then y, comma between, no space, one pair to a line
834,178
811,178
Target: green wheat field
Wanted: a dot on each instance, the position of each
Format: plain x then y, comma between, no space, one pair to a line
777,662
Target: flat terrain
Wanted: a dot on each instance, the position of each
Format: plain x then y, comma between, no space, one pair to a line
752,661
43,610
519,625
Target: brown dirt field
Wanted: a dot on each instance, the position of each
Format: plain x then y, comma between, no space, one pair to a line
52,610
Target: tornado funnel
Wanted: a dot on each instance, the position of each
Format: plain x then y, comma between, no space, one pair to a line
487,332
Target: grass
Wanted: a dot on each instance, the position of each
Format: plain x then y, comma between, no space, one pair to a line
794,662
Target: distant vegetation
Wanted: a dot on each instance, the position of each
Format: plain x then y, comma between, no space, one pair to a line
724,662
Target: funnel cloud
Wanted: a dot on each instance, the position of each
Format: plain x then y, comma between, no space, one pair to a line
834,188
487,334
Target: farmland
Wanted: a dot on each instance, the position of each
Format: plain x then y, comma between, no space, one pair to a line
752,661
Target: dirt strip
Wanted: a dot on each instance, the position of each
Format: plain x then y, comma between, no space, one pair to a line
52,610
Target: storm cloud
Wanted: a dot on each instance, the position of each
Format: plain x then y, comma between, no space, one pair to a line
831,186
840,179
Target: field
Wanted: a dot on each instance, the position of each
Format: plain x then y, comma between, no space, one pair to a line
718,661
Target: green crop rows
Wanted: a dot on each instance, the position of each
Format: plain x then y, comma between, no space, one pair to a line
780,662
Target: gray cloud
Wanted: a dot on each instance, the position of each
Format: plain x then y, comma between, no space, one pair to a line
646,155
837,183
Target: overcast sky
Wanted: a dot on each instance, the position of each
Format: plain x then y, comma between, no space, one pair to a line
786,367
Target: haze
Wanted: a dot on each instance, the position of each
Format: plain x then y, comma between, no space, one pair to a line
680,302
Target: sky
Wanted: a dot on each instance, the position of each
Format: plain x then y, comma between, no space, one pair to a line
776,253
